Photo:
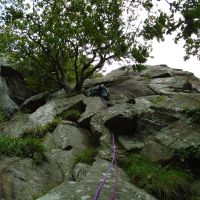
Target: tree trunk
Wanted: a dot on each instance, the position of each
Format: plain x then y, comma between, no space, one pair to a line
65,84
63,80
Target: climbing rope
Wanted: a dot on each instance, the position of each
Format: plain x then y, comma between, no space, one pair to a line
109,169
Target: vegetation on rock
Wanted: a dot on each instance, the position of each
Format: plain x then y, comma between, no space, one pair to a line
3,117
40,131
158,99
86,156
165,184
22,147
71,115
193,113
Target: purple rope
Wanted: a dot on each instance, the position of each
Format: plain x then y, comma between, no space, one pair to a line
116,179
108,171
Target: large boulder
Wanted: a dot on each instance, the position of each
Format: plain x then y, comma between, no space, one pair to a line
20,179
121,119
54,107
67,136
17,89
15,126
13,90
129,89
34,102
93,106
85,189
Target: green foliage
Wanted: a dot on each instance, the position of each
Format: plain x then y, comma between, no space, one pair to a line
187,26
71,115
156,29
22,147
193,113
57,42
139,67
86,156
40,131
158,99
162,183
192,152
3,117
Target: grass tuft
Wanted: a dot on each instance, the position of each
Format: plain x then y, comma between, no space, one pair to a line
40,131
71,115
162,183
158,99
87,156
27,147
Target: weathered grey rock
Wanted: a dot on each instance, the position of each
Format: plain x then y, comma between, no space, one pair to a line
17,89
80,171
55,106
20,179
64,161
179,101
121,119
154,120
130,143
129,89
7,105
157,152
15,126
155,73
34,102
85,189
170,85
179,135
66,137
93,105
114,77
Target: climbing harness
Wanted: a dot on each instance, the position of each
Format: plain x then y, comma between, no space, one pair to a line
99,188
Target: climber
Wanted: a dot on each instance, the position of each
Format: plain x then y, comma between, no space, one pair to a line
99,90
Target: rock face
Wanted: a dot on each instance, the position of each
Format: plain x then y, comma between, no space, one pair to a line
12,90
85,189
146,116
21,180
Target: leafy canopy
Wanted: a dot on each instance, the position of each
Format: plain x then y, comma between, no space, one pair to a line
61,37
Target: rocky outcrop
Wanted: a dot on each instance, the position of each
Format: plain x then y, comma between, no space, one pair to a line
54,107
85,189
20,179
145,115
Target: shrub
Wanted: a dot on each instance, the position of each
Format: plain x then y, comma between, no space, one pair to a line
22,147
86,156
162,183
71,115
193,113
40,131
139,67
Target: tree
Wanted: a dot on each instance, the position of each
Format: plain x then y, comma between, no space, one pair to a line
80,34
185,21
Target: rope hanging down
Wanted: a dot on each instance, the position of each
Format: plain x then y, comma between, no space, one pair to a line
99,188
